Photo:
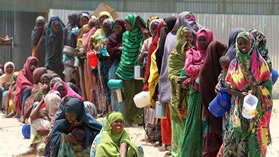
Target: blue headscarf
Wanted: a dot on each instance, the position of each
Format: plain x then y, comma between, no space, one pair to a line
91,126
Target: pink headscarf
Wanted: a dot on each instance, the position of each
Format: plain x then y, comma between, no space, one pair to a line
23,81
195,57
86,36
69,90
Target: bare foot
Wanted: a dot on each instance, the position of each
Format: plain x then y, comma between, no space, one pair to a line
10,115
30,153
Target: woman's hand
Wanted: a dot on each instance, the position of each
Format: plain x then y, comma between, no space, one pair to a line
78,124
217,88
187,83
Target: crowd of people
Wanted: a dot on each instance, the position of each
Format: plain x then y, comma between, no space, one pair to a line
66,99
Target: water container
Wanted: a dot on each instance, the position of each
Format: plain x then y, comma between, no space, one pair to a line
142,99
115,84
92,58
220,104
182,75
138,72
117,95
150,116
26,131
161,110
76,63
249,106
274,76
68,50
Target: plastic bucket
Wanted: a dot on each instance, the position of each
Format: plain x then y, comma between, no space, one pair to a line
26,131
115,84
161,110
220,104
274,76
249,106
92,58
142,99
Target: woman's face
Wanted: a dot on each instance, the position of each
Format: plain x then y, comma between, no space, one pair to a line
83,20
243,45
203,42
117,126
9,69
117,29
128,26
102,18
62,90
71,20
107,28
188,36
71,117
153,30
56,27
33,65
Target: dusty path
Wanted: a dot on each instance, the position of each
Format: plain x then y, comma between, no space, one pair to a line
13,143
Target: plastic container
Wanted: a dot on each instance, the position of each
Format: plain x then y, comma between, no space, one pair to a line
138,72
26,131
142,99
92,58
76,63
249,106
274,76
161,110
117,95
68,50
115,84
182,75
220,104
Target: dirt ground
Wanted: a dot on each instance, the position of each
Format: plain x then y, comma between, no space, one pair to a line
13,143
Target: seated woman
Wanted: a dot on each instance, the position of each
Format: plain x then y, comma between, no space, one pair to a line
115,140
73,116
65,90
24,84
5,81
9,98
34,91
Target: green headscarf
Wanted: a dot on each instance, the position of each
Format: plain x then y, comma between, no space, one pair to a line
132,42
176,62
242,57
110,141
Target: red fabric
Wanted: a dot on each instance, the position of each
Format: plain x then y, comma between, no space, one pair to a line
23,81
152,48
195,57
86,36
9,97
166,129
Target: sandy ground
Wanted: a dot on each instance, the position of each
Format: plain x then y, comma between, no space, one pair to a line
13,143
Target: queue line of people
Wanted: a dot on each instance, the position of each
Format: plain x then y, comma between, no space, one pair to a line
185,68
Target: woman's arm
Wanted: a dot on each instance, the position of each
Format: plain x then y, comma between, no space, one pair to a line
123,149
35,114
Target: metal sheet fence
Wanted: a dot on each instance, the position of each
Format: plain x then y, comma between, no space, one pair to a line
221,25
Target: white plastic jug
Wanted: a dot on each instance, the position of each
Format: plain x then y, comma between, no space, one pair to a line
142,99
249,106
161,110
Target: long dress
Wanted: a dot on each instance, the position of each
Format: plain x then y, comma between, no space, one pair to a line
179,96
131,49
249,137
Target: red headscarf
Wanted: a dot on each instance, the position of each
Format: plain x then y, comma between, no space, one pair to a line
152,48
23,81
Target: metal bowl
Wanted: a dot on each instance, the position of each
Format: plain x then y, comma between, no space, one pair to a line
68,50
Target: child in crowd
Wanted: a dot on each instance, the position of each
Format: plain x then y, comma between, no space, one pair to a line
224,62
